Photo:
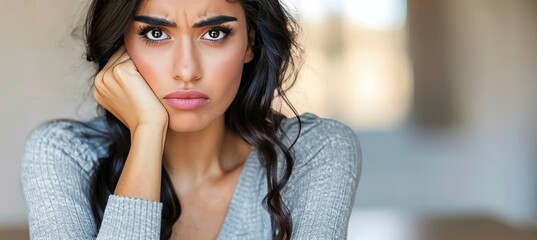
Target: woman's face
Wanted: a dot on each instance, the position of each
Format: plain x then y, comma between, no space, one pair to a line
195,48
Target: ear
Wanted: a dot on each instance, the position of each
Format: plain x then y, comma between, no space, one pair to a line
249,55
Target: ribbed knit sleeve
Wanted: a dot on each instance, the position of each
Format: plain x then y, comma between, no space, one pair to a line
56,171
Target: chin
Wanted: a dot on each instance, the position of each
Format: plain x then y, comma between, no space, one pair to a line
191,121
187,122
179,127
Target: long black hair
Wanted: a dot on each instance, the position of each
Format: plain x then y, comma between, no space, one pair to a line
251,113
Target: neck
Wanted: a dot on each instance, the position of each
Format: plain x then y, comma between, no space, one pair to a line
210,153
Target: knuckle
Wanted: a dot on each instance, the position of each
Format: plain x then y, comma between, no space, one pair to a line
117,71
107,78
98,79
97,85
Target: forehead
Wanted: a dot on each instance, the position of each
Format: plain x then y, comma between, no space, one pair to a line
174,9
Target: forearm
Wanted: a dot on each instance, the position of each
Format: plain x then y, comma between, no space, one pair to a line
141,175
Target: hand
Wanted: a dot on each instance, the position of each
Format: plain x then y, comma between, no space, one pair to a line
121,90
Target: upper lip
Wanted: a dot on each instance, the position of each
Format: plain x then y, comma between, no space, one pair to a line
186,94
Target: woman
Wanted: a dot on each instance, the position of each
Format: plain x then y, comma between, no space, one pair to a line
188,145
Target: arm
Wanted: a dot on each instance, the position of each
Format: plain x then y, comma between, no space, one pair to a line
323,189
121,90
56,170
134,211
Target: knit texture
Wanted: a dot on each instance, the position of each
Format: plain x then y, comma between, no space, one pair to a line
61,156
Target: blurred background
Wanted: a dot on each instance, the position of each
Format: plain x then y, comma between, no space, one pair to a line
442,94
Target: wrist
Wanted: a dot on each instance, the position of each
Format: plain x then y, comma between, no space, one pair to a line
150,130
154,120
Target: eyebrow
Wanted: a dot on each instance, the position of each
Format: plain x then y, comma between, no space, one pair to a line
155,21
214,21
202,23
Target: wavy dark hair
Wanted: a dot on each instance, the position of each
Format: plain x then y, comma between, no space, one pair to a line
251,113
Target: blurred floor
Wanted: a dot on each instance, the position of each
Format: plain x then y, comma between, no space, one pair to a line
14,234
393,225
475,228
386,225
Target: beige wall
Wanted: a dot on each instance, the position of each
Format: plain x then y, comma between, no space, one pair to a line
42,77
493,61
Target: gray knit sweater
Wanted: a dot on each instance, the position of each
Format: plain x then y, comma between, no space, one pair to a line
60,157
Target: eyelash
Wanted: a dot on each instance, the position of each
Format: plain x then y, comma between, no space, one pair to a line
146,29
225,29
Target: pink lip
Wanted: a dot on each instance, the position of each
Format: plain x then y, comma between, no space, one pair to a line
187,99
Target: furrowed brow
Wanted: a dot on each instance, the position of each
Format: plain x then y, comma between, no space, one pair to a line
155,21
214,21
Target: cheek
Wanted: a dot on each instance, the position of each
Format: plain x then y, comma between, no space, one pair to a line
150,64
226,69
227,75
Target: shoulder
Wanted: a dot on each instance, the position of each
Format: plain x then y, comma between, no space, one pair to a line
59,160
312,126
322,140
66,140
324,179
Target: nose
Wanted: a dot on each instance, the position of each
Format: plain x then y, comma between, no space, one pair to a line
187,62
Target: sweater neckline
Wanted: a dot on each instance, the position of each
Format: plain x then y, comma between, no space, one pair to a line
234,216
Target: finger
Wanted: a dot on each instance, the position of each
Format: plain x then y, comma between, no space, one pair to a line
113,59
111,71
97,96
123,58
101,74
99,99
105,90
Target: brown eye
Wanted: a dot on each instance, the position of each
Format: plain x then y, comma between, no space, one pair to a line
156,34
214,33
